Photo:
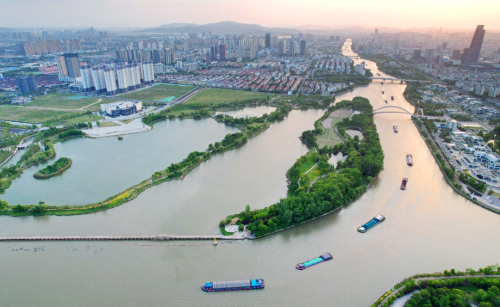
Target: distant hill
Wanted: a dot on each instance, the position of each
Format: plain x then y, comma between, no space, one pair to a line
177,25
225,27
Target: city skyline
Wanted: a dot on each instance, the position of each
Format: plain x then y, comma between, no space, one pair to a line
150,13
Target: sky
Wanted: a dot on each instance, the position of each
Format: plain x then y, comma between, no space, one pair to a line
404,14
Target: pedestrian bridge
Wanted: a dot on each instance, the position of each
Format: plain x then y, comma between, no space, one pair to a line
396,79
392,109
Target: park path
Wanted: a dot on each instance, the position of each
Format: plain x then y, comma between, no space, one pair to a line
433,278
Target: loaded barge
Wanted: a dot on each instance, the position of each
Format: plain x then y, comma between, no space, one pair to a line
248,284
375,221
320,259
395,129
409,160
403,183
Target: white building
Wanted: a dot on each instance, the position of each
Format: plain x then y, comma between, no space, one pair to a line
99,79
149,75
87,79
159,68
121,108
124,82
110,79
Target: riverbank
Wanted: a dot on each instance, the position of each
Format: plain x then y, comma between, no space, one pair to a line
469,282
175,171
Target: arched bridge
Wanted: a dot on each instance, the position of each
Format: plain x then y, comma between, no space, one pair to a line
391,110
396,79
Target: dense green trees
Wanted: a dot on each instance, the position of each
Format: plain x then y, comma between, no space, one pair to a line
53,168
365,160
69,133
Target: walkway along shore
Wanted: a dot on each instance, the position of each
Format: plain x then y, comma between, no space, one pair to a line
121,238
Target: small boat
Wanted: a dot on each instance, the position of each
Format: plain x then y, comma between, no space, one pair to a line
409,160
248,284
382,83
382,92
215,241
392,97
403,183
373,222
395,129
320,259
385,101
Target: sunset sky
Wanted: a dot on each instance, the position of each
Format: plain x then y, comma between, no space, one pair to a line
458,14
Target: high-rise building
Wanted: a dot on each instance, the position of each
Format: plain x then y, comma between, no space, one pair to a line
99,79
213,52
253,50
445,46
292,49
417,54
208,58
87,79
456,54
222,49
302,48
110,79
472,55
149,75
281,48
26,85
69,67
242,51
268,40
123,77
429,55
157,56
134,73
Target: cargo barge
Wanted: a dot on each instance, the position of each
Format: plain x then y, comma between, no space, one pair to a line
320,259
395,129
248,284
403,183
409,160
372,223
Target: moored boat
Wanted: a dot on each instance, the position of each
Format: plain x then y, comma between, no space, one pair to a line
373,222
409,160
392,97
382,92
247,284
403,183
395,129
320,259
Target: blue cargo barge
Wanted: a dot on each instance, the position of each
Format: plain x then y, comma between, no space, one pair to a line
248,284
320,259
375,221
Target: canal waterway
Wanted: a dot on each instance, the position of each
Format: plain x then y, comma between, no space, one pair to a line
428,228
104,167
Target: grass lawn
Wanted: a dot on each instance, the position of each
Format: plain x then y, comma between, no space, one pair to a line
23,114
217,96
107,124
329,137
157,92
84,118
496,194
62,101
126,121
311,159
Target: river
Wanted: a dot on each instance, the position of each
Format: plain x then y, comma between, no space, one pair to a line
428,228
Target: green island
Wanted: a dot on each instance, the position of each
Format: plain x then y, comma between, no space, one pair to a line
336,186
450,288
57,168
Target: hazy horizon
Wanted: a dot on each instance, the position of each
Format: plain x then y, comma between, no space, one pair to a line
457,14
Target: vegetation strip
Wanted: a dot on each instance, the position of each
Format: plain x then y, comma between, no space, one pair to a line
450,288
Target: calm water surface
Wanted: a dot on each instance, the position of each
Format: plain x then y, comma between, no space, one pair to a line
250,112
428,228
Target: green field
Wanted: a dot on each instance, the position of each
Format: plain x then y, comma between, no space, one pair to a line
329,137
217,96
23,114
62,101
84,118
157,92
